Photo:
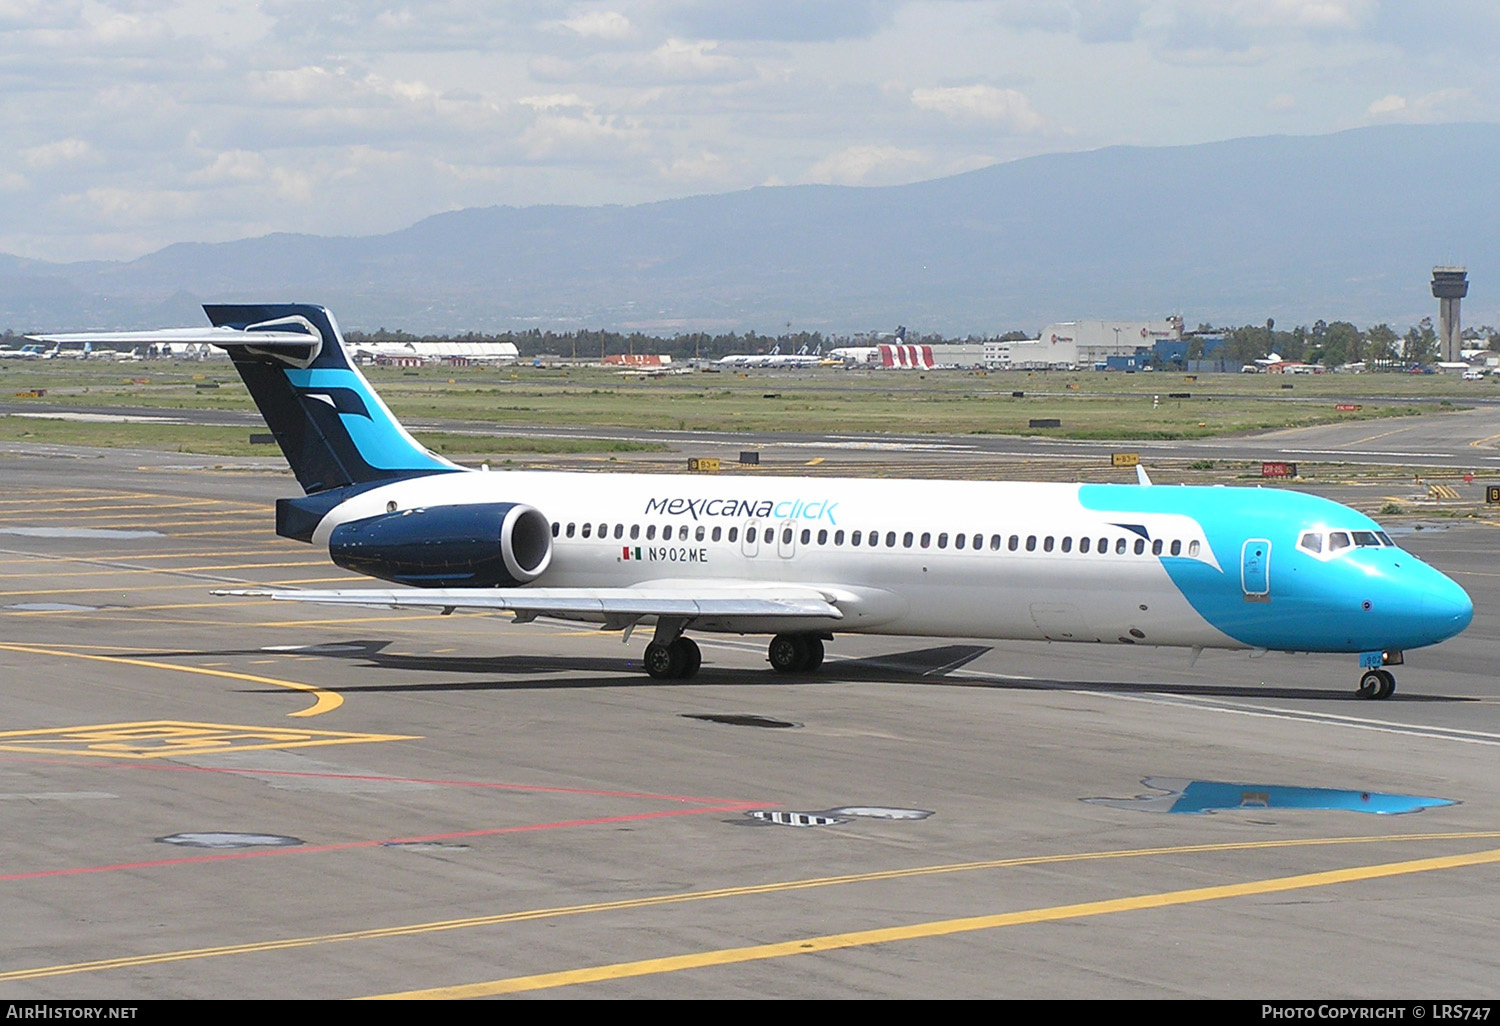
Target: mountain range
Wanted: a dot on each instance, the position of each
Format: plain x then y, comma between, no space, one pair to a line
1343,226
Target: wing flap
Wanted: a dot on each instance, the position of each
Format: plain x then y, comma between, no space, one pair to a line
608,604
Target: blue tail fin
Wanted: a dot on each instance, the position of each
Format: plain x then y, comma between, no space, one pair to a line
332,427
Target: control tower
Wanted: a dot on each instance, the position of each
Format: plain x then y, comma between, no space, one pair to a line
1449,286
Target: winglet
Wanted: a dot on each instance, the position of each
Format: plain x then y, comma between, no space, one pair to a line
1140,475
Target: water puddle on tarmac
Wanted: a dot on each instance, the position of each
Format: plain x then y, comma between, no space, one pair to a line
1200,797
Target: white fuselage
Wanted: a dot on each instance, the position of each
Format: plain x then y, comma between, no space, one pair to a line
958,559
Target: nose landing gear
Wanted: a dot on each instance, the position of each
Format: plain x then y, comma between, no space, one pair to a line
1376,684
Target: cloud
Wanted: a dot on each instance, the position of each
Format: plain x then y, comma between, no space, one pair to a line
1006,106
869,165
64,151
566,127
779,20
598,25
1211,25
1441,105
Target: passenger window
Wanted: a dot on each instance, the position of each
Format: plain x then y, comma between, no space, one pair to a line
890,539
1067,544
718,532
650,532
1031,543
604,530
1120,544
806,535
1338,540
1083,544
1176,547
838,538
959,540
979,541
994,542
1103,546
926,539
682,533
586,529
556,528
1140,546
1193,547
734,534
1156,547
619,531
856,537
906,540
823,537
751,534
635,531
570,529
786,536
1047,544
1014,543
943,540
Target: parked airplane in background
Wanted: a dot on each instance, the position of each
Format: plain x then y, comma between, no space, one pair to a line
802,558
33,351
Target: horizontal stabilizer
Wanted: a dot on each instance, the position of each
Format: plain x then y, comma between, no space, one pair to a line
190,336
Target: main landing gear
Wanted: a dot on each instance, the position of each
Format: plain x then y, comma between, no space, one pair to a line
680,657
1376,684
796,653
677,659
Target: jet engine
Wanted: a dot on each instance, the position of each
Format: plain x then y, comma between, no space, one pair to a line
471,546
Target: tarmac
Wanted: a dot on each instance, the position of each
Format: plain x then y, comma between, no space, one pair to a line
205,797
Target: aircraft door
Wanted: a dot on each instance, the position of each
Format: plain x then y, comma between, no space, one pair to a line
786,539
1255,570
750,540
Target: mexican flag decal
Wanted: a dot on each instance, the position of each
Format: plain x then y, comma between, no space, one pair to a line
630,553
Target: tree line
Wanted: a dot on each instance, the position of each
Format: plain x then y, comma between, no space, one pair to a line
1329,343
1337,343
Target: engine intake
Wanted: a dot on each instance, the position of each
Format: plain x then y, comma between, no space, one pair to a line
474,546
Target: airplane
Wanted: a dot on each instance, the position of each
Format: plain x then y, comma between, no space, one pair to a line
801,559
32,351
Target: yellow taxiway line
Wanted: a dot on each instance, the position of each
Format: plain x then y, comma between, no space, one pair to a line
944,928
785,886
326,701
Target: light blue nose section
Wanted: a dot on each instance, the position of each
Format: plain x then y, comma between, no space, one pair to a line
1445,609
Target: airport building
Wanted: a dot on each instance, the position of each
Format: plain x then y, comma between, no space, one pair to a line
1085,345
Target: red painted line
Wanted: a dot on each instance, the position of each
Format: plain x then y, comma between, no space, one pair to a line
318,849
540,788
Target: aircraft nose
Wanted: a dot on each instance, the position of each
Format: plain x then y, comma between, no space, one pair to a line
1446,608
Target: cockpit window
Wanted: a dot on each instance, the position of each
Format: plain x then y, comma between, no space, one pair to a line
1338,540
1366,540
1311,541
1385,538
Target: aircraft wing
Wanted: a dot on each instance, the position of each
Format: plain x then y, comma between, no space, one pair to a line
619,607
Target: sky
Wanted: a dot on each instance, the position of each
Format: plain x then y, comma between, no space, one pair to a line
132,124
